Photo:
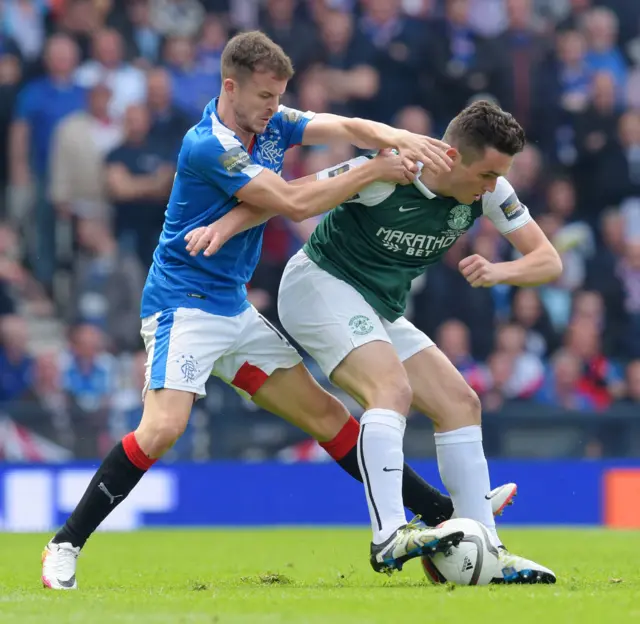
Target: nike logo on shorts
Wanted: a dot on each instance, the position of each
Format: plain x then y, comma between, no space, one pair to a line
403,209
385,469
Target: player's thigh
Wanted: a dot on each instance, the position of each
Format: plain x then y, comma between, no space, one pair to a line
264,367
293,394
440,391
342,332
182,347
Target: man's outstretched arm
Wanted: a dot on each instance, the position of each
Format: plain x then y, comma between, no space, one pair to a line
365,134
269,195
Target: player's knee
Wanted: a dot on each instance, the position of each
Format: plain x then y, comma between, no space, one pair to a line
394,393
157,435
329,419
469,407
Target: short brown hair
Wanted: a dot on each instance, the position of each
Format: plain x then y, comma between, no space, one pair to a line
253,51
482,125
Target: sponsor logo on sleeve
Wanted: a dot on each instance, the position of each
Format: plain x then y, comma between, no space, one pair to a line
291,115
512,208
235,160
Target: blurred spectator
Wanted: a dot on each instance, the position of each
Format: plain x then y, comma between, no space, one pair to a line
399,57
23,21
47,393
139,178
453,339
19,290
574,14
573,72
106,286
628,272
525,176
296,36
210,46
107,65
530,314
595,136
527,371
601,379
80,145
89,381
522,52
347,73
618,174
601,29
192,87
500,366
10,75
460,63
168,123
79,20
16,363
144,43
414,119
176,18
632,395
562,385
41,106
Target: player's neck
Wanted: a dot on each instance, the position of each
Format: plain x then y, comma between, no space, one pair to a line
228,118
437,184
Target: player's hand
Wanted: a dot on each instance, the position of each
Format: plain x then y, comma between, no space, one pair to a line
390,167
204,238
479,272
432,153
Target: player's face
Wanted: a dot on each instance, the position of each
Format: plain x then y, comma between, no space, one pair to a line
471,181
255,100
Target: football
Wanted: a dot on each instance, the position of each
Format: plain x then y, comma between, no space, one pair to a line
473,562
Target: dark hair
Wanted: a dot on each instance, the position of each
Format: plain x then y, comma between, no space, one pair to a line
253,51
482,125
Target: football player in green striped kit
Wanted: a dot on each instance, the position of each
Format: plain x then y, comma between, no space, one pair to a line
343,296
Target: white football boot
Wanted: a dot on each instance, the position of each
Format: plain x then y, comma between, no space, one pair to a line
59,566
518,570
500,497
410,541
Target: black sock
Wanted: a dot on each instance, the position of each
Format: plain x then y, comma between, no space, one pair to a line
111,484
419,497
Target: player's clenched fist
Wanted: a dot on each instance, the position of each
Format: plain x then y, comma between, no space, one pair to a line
432,153
392,168
479,272
204,238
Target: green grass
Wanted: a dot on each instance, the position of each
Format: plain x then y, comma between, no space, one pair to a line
311,576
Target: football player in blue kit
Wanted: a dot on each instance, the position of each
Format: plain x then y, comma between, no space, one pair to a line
196,320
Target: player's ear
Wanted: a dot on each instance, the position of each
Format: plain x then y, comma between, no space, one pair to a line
229,85
454,154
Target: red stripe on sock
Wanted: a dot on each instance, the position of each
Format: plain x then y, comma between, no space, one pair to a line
345,440
135,454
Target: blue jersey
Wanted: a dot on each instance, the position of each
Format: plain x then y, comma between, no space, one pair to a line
212,166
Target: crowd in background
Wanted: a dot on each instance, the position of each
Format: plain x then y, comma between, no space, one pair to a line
95,96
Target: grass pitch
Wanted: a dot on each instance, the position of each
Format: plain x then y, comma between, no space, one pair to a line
314,576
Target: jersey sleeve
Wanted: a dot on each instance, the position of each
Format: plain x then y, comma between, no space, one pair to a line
223,161
292,123
504,208
370,195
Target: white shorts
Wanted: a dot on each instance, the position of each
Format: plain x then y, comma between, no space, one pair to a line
330,318
186,345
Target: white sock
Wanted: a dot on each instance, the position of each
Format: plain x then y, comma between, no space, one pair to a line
465,473
381,461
